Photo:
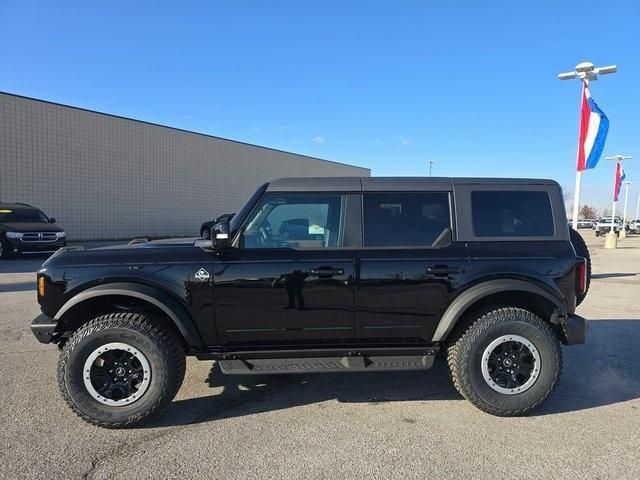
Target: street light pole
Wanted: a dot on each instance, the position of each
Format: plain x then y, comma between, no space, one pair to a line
586,72
430,162
638,209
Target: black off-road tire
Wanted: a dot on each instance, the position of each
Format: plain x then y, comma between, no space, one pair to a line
582,250
155,337
464,357
206,233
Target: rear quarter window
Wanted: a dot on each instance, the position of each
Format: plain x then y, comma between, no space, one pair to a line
503,213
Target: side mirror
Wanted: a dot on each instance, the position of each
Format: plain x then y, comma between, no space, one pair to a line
222,234
52,220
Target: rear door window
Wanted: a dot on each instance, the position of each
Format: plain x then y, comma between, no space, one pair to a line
405,219
503,213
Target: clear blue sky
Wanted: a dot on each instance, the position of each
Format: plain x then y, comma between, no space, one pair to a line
386,85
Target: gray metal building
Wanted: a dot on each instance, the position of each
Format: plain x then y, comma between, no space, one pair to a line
109,177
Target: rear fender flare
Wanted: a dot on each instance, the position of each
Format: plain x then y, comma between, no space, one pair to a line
159,299
467,298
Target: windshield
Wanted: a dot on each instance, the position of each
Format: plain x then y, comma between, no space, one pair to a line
244,211
22,215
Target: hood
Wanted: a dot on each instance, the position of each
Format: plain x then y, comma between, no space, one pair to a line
149,252
31,227
166,243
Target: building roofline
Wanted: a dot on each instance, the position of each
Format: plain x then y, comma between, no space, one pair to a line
121,117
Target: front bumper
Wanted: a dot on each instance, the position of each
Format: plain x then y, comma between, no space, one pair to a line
18,246
574,328
44,328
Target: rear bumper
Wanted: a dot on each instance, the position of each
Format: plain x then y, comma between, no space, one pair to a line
574,328
43,327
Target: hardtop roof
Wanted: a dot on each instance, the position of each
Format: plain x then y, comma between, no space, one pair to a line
373,184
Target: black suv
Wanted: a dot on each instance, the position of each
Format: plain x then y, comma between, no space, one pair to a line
386,274
24,228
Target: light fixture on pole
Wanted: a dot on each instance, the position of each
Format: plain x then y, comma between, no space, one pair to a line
586,72
617,159
430,162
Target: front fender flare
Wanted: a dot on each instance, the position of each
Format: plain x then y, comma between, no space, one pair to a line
477,292
161,300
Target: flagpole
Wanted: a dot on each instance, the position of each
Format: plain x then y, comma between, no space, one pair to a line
576,200
613,208
623,232
576,190
611,240
626,199
585,71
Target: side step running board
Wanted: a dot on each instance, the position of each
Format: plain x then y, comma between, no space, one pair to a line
359,363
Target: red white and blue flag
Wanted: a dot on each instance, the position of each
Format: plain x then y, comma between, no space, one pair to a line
594,126
620,176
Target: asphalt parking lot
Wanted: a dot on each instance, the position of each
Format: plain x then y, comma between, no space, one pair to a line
374,425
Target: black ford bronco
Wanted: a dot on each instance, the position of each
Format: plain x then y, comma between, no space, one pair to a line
328,275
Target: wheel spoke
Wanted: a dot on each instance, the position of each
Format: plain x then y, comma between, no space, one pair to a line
117,374
509,364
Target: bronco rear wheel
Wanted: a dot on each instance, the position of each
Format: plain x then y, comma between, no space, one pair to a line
119,369
507,362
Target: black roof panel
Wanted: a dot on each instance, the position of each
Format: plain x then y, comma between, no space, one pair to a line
380,184
315,184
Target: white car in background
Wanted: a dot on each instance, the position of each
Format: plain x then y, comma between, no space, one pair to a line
604,226
585,223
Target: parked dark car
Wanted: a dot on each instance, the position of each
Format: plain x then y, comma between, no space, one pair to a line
484,272
205,229
24,228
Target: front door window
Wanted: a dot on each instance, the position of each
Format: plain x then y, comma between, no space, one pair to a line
295,221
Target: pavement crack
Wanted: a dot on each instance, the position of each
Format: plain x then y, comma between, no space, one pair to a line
126,446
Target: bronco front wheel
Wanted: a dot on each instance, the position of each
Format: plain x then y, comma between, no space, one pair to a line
119,369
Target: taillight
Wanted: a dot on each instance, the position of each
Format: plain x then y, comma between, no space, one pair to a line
582,275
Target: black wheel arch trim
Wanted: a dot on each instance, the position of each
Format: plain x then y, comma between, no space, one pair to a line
159,299
470,296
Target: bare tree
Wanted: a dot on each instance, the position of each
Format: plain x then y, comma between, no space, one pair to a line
587,211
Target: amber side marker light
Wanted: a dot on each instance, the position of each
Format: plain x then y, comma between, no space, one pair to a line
41,286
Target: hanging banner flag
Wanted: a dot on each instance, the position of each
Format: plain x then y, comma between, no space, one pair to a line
620,176
594,126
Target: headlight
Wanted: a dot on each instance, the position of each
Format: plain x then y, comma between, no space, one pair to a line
61,234
13,234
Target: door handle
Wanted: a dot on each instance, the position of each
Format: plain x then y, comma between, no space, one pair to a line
443,270
326,272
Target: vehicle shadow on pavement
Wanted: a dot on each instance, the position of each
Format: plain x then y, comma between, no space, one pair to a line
250,394
604,371
601,372
612,275
17,287
23,263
